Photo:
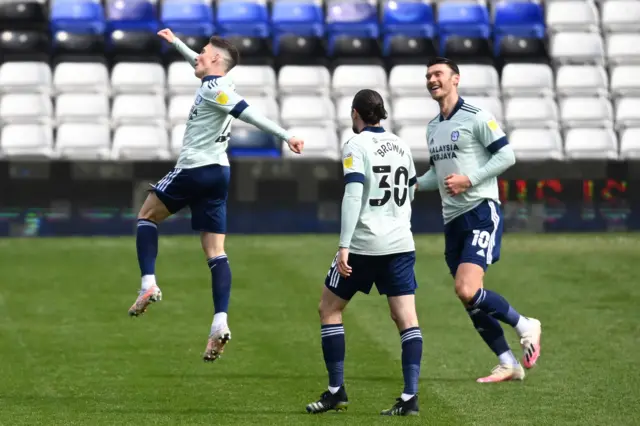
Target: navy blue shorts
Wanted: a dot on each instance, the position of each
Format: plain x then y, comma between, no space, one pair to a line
474,237
392,274
204,189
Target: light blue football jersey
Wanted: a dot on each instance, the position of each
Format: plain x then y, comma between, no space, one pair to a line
461,144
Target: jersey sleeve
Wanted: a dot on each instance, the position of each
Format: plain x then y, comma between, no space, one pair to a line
224,98
352,163
488,132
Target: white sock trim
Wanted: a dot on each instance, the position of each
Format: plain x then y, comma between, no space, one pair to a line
148,281
508,358
219,320
333,389
405,397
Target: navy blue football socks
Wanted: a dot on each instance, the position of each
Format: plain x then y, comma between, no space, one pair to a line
220,282
333,349
495,305
147,246
489,329
411,340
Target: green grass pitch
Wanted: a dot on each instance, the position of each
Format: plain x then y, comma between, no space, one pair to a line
69,354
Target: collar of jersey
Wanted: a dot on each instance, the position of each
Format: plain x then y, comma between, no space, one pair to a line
455,109
210,77
374,129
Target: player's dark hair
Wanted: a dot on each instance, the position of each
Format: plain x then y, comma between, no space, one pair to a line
370,106
448,62
228,47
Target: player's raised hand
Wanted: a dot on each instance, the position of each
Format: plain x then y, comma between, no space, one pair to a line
167,34
296,144
456,184
343,266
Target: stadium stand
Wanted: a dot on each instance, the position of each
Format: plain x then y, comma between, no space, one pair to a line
90,78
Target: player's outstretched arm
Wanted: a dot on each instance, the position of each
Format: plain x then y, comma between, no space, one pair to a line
497,164
182,48
254,117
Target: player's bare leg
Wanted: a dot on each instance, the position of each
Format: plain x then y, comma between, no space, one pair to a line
152,212
333,348
403,313
219,335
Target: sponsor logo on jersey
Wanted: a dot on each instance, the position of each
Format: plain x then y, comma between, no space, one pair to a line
455,135
493,125
348,161
222,98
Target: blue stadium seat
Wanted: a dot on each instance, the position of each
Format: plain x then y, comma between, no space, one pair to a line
408,19
132,15
77,17
299,18
188,17
252,143
354,18
462,19
521,19
243,18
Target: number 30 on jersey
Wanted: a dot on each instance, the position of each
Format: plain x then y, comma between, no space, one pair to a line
400,186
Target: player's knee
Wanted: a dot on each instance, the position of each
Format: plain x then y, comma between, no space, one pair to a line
329,314
153,209
212,244
466,288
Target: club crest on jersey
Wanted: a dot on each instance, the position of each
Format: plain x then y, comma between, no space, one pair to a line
455,135
198,100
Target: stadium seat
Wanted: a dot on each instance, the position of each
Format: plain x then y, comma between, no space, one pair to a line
536,144
133,46
491,104
406,50
25,108
569,15
254,80
77,17
591,144
465,19
78,47
585,112
582,80
408,28
140,142
297,18
352,50
577,48
620,16
132,15
138,109
307,111
253,50
267,106
81,78
294,49
82,108
478,80
144,78
468,50
83,141
243,18
416,138
517,19
623,49
414,111
630,144
21,45
177,136
627,113
527,80
624,80
25,77
513,49
178,109
319,142
188,17
21,15
27,141
181,79
343,113
407,80
349,79
304,80
249,142
531,113
352,30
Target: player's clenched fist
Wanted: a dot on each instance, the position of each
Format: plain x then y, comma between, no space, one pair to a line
343,262
167,34
296,144
456,184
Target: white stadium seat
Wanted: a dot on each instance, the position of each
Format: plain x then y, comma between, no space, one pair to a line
577,48
620,15
25,108
25,77
536,144
27,141
628,113
625,81
623,49
179,108
478,80
416,138
414,111
407,80
531,113
307,111
138,77
254,80
75,77
181,79
489,104
138,109
343,113
82,108
350,79
319,142
630,144
83,141
586,112
177,135
591,144
140,142
570,15
582,80
266,106
527,80
304,80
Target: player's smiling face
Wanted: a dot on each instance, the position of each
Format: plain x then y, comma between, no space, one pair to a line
441,80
